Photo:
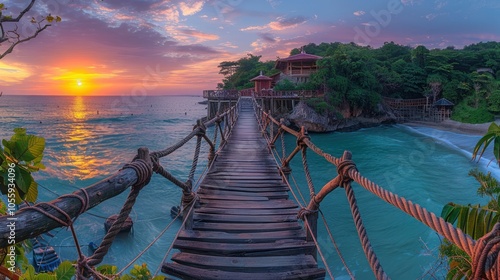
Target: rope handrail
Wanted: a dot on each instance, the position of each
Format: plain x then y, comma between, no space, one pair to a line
484,262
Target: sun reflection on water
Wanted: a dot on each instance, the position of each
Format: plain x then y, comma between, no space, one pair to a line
79,109
81,156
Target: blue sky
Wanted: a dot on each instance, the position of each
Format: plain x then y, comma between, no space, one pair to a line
112,46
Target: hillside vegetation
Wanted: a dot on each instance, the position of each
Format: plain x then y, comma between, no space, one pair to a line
354,77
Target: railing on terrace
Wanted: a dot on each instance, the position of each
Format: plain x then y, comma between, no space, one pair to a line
62,212
398,103
305,72
288,93
223,94
265,93
483,252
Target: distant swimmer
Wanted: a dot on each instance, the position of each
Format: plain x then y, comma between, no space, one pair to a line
98,112
1,93
185,113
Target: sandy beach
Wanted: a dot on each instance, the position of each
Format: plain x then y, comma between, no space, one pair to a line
454,126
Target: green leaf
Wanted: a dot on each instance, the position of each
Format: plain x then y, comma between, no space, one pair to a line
471,222
32,193
481,225
450,213
23,179
29,274
45,276
29,148
107,269
65,271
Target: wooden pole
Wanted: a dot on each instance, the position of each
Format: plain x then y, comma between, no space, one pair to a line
30,223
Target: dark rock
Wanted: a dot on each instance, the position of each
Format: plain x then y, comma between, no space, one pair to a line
305,116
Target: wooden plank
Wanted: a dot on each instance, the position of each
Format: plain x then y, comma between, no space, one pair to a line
255,264
207,197
281,247
252,237
243,189
189,272
243,218
247,211
275,204
235,184
221,193
253,227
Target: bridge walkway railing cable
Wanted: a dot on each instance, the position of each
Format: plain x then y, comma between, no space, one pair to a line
484,252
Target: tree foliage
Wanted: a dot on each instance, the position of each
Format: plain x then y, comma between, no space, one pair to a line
355,77
19,157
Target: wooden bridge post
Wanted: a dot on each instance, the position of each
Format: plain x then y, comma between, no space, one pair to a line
312,231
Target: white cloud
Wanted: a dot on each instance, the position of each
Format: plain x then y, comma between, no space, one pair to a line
189,9
359,13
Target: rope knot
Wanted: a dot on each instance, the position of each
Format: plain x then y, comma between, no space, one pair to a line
485,258
188,198
202,129
303,135
303,212
344,167
143,167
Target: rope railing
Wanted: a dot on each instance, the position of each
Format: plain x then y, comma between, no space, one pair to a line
62,212
484,252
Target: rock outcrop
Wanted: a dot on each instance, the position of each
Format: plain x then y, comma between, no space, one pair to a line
305,116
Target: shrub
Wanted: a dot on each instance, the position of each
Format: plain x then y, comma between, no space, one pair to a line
466,114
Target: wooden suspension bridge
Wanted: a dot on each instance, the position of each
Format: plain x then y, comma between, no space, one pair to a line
244,227
239,222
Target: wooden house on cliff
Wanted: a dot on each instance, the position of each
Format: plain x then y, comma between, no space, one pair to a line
296,68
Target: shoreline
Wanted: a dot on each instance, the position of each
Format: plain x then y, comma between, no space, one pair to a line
454,126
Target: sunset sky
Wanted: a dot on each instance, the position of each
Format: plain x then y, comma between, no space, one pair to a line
157,47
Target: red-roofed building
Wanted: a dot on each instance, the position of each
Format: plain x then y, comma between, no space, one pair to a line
261,82
296,68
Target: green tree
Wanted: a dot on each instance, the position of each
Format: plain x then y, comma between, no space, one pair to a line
419,56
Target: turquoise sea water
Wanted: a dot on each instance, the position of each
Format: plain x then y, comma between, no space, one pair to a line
90,138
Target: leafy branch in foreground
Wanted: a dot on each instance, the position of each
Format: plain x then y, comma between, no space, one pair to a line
19,157
492,135
12,35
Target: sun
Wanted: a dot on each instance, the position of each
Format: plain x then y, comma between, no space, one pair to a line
79,83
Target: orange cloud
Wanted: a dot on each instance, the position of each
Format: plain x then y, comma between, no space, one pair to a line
12,74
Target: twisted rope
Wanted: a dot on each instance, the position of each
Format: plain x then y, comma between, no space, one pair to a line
363,236
144,170
196,154
455,235
485,258
167,175
176,146
282,136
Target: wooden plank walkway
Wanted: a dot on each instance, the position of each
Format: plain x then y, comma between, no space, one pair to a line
245,227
